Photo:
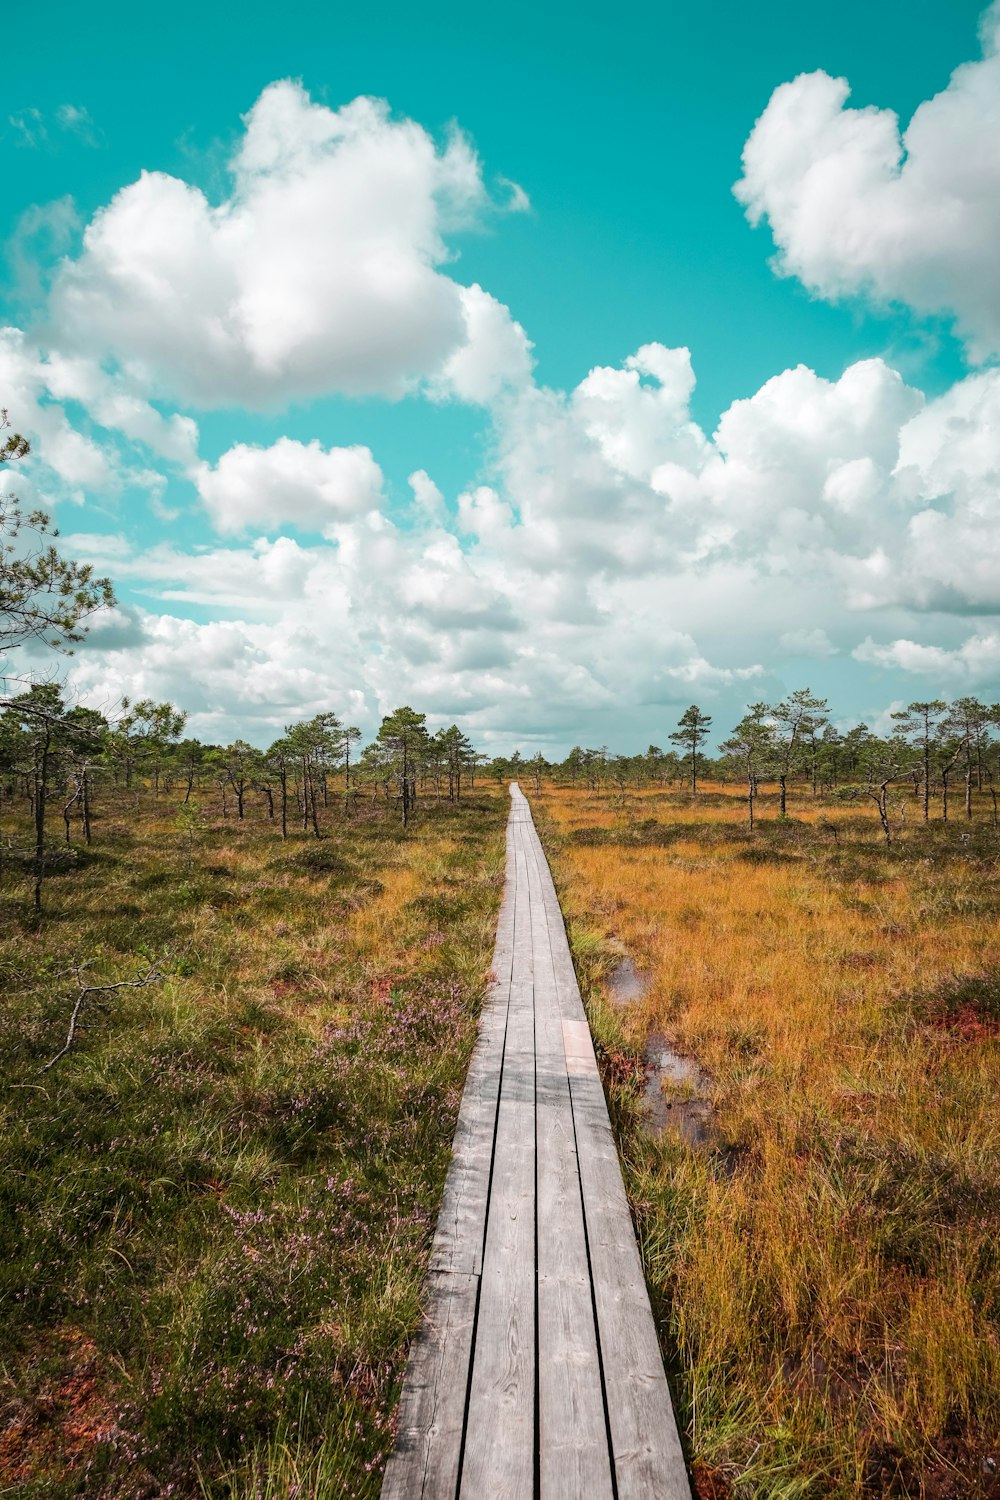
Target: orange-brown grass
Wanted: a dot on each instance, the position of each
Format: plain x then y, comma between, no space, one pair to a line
828,1270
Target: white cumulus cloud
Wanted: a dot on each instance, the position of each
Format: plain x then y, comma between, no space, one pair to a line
975,661
301,485
856,205
321,272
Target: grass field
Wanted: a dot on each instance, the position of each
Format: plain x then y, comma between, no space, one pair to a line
827,1264
215,1208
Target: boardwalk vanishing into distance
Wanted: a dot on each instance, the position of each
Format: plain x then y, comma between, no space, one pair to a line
536,1371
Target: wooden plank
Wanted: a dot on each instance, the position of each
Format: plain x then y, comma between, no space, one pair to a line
427,1454
500,1428
522,1273
646,1451
572,1431
570,1003
461,1225
646,1447
425,1460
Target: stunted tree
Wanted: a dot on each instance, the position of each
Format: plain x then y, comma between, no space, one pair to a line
349,735
242,763
538,766
316,743
969,720
189,760
279,761
143,738
85,736
828,754
403,739
457,753
499,769
885,762
43,595
692,732
572,766
752,744
796,720
951,745
919,723
37,720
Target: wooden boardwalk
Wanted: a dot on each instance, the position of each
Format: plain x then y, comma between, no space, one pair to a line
536,1371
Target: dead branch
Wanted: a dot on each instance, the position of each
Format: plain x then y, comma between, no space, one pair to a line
152,976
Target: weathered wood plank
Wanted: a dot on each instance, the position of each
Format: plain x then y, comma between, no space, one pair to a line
534,1234
426,1458
424,1463
646,1447
461,1225
570,1003
500,1427
572,1431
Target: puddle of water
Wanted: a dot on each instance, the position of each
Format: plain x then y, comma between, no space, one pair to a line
626,983
682,1106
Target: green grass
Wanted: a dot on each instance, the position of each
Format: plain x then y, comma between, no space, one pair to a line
216,1208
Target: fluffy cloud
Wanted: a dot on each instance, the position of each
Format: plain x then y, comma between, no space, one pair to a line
975,661
319,273
301,485
857,206
638,416
496,352
69,463
619,562
612,560
73,462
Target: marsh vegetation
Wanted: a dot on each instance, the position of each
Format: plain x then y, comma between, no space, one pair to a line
216,1206
824,1256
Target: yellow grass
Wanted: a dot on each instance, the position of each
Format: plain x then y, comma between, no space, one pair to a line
830,1269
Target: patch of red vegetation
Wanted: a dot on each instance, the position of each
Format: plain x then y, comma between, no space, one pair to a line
282,987
966,1023
56,1429
389,984
710,1484
960,1471
622,1069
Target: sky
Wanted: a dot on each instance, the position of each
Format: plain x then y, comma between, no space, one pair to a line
547,368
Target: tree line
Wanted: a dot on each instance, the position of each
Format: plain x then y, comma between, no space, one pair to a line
931,745
51,751
59,757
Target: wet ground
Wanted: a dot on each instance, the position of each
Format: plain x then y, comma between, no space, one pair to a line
626,984
676,1093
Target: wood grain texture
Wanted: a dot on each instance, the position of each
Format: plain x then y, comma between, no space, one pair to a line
645,1444
572,1431
425,1460
646,1448
536,1369
500,1430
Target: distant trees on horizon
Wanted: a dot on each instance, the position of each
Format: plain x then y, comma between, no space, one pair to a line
931,742
49,748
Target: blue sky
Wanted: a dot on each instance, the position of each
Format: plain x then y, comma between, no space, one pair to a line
614,565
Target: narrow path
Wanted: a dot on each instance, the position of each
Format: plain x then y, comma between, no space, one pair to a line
536,1371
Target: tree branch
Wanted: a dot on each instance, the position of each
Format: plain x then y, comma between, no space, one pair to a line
152,976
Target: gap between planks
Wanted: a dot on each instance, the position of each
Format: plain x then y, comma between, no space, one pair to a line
536,1370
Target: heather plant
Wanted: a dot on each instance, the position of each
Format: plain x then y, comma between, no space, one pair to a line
217,1205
